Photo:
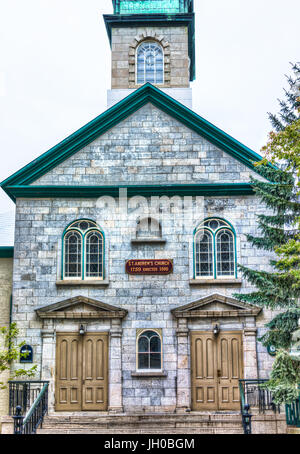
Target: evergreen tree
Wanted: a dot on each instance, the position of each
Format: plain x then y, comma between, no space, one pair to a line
279,289
291,105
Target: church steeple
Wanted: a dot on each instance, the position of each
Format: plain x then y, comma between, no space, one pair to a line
152,41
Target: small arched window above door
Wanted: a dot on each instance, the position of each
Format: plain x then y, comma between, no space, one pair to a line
83,251
149,351
149,63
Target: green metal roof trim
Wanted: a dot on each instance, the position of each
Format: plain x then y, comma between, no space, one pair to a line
163,20
221,189
6,252
117,113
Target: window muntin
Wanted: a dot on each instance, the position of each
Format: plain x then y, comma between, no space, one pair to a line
225,253
94,254
149,63
204,253
72,255
83,251
149,351
215,250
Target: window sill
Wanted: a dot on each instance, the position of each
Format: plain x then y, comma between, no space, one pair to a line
66,283
148,241
149,374
237,282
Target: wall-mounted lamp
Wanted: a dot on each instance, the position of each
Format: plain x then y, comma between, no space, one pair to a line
216,329
81,330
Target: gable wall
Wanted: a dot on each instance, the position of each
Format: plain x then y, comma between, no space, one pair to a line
149,147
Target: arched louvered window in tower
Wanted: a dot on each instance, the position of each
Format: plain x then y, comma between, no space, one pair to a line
149,63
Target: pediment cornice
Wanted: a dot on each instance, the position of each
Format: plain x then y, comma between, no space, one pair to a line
80,307
216,305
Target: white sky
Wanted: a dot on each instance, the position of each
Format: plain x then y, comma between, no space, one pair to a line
55,70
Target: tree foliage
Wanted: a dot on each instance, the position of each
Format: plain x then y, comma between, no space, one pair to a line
279,233
11,352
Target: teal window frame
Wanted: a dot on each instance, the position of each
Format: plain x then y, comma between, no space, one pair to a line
70,227
228,227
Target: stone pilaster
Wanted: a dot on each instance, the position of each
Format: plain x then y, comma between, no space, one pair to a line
48,363
115,368
183,370
250,353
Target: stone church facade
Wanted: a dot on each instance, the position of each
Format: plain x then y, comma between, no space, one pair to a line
110,340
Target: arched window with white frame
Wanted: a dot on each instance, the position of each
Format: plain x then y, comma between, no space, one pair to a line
149,63
83,251
215,250
149,351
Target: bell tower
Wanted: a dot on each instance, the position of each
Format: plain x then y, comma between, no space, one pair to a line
152,41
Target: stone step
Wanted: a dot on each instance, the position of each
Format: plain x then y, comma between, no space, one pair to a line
144,424
152,423
145,431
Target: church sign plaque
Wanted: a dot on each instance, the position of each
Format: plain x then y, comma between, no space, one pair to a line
149,267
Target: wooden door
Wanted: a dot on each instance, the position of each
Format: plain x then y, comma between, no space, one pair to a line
81,372
95,358
216,367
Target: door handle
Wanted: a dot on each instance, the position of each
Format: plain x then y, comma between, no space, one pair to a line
219,373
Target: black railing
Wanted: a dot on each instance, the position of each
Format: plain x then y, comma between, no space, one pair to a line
257,396
253,395
28,424
23,394
292,412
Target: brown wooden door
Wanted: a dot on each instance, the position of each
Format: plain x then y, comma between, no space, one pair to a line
216,367
81,372
94,372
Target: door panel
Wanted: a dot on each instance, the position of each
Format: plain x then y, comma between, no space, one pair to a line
81,372
68,373
216,368
204,378
95,373
229,347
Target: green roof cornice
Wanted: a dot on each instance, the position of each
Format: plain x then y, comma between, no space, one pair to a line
117,113
161,20
6,252
89,192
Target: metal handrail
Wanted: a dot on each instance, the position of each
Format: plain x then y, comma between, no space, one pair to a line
252,394
246,416
23,393
34,417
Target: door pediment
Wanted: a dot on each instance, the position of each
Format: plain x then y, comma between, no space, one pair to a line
216,305
80,307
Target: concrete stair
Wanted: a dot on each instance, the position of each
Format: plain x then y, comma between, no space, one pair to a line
206,423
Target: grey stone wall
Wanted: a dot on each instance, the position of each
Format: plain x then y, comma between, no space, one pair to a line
149,299
6,269
149,147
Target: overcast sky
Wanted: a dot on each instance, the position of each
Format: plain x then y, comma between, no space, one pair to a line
55,70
